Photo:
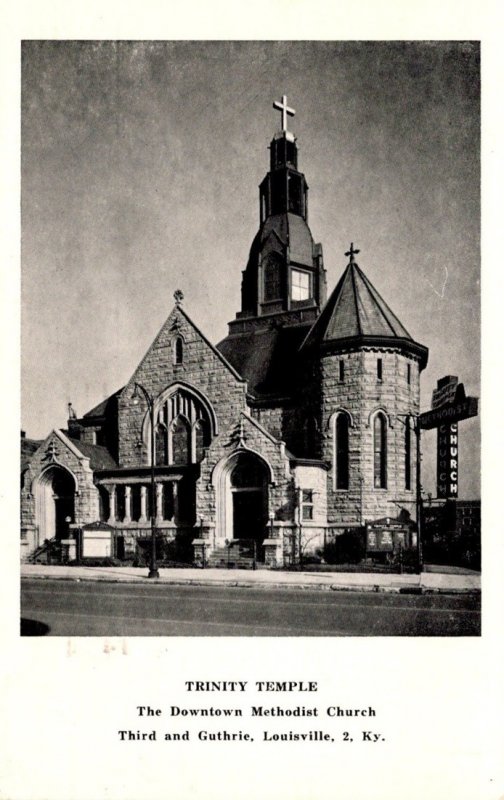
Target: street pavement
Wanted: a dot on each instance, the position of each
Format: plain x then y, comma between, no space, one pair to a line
162,608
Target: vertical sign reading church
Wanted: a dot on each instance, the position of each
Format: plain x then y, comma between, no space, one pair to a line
447,440
447,461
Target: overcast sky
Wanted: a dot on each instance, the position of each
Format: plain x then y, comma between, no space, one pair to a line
140,168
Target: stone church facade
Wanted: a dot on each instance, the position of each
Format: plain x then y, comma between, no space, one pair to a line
292,430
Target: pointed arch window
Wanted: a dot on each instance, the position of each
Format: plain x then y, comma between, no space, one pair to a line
161,444
178,350
407,454
341,451
380,451
181,441
272,287
202,438
185,425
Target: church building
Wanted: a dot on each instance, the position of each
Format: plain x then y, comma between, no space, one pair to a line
291,431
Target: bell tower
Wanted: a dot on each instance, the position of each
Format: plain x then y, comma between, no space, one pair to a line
284,189
285,272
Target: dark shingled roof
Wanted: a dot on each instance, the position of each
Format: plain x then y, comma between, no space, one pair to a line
101,409
266,358
99,457
28,448
355,313
292,231
355,309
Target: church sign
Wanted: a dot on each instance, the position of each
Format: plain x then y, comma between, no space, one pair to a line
447,461
461,407
386,537
449,406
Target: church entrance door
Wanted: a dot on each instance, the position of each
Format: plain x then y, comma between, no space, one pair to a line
55,503
249,490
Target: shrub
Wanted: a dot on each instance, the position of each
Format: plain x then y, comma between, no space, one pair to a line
347,548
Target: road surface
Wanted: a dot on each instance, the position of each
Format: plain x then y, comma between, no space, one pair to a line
68,608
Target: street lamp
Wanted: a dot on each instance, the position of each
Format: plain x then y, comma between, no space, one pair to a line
418,493
153,571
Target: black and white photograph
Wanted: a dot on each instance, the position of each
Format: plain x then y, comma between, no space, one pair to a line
251,401
231,379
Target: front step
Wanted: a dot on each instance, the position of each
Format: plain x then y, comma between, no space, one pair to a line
233,558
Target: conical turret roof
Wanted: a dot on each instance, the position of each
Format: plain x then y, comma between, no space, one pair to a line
356,314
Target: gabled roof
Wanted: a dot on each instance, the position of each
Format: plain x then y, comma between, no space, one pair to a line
99,456
267,358
355,313
101,409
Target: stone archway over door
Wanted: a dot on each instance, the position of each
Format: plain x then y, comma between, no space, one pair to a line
55,503
248,485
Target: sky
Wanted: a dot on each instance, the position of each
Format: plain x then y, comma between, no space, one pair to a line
140,170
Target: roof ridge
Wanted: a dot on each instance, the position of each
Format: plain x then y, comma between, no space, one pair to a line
352,265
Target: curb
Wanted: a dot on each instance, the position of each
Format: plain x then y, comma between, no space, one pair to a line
367,588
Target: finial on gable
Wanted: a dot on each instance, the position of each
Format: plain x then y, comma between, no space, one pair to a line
178,295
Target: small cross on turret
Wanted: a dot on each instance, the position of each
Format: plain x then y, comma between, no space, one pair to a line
284,108
352,253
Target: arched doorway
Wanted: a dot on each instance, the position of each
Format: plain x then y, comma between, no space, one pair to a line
248,479
55,506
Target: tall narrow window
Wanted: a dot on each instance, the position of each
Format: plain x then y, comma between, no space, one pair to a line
202,438
342,371
272,290
408,369
341,451
380,451
407,454
379,369
178,350
161,444
181,441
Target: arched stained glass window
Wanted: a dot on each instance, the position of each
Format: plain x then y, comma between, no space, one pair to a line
380,451
181,441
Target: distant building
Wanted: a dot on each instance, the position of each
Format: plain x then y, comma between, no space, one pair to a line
452,532
295,425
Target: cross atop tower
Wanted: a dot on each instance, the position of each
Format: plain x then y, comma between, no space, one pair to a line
352,253
284,108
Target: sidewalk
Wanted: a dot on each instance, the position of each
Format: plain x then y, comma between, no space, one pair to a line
427,582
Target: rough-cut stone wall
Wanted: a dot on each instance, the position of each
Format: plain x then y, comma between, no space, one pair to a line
201,367
361,393
281,495
86,497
